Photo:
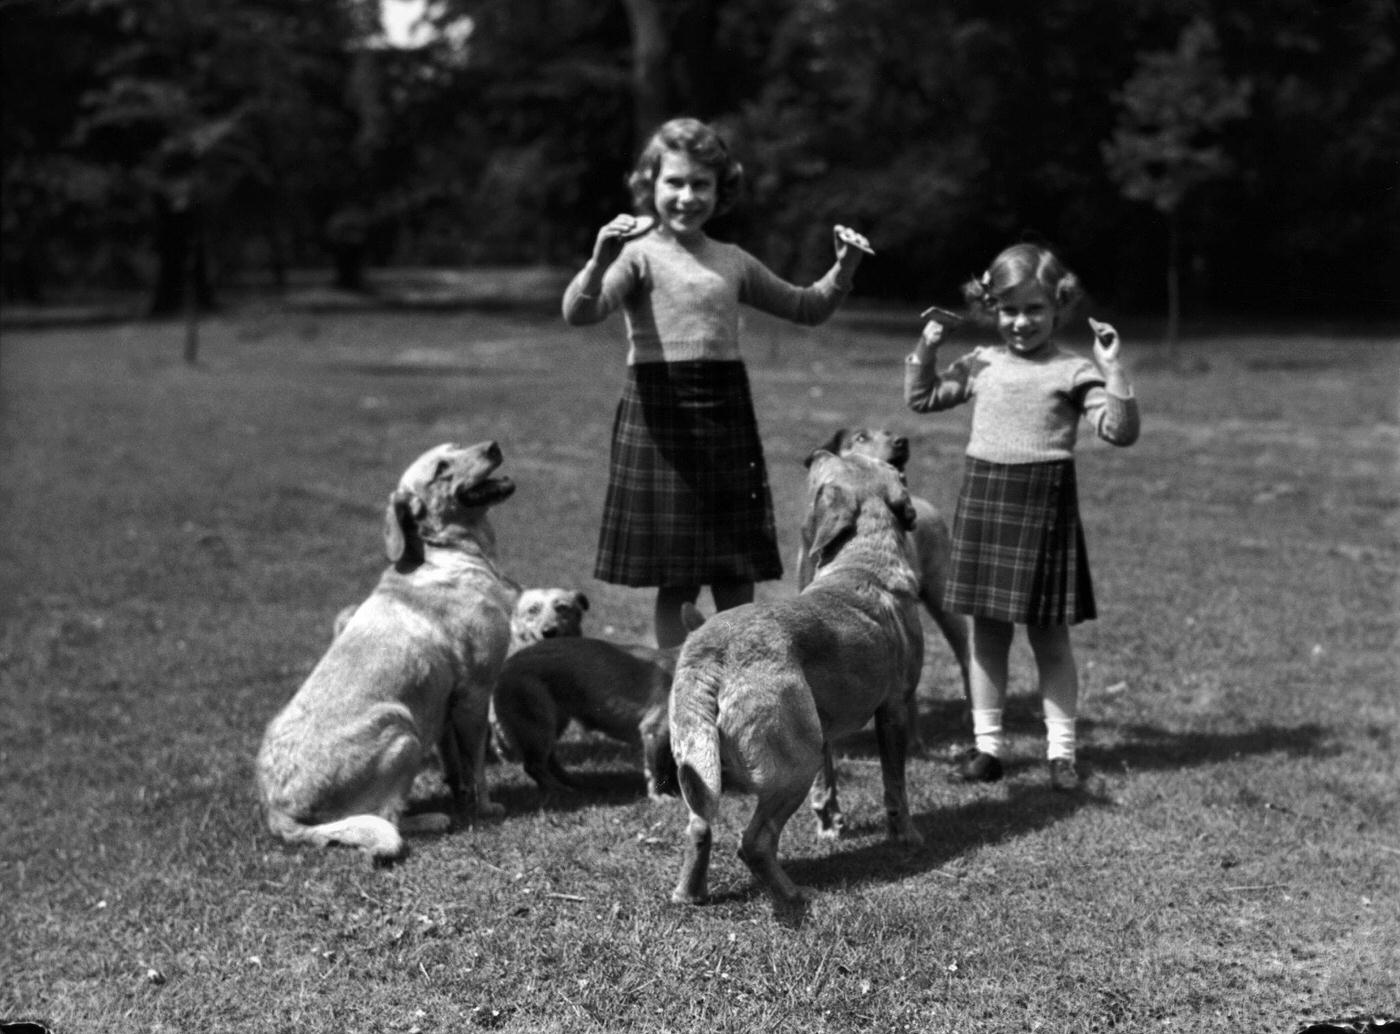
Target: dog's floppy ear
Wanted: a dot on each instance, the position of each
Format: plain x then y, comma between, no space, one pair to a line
581,600
832,518
831,445
903,508
401,541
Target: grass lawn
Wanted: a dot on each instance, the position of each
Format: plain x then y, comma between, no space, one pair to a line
175,541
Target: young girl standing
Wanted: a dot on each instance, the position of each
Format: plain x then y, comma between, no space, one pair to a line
688,502
1018,548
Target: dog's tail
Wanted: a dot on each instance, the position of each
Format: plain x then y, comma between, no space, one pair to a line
375,836
695,739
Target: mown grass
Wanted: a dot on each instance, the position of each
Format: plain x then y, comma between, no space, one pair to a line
176,541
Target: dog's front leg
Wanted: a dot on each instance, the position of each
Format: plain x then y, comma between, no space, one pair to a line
822,798
891,736
469,730
453,767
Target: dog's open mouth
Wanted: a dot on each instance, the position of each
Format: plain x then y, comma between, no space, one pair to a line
484,493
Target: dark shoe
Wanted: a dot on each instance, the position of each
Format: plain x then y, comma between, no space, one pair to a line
1063,775
977,768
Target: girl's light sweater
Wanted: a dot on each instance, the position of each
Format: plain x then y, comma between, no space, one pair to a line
1027,406
682,298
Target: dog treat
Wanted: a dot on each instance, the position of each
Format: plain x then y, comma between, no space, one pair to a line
934,310
854,239
640,225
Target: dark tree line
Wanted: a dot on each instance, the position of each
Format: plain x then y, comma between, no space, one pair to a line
1237,156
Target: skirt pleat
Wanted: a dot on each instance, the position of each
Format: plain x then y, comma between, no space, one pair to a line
688,501
1018,545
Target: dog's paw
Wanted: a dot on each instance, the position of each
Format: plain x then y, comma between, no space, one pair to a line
681,897
489,810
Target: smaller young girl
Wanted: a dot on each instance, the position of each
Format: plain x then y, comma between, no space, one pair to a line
1018,549
688,502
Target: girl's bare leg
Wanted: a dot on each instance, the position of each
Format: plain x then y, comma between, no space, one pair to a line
1059,686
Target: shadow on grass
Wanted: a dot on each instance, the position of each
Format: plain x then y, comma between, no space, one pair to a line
951,832
1150,748
604,772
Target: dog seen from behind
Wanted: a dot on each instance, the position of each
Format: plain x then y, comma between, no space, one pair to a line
760,689
337,762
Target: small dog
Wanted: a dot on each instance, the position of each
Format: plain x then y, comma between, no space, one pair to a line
620,691
761,688
539,614
336,764
933,545
545,614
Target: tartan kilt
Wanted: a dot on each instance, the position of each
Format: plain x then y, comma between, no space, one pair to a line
688,501
1018,545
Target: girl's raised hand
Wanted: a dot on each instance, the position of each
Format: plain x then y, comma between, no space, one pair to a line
616,233
932,335
1106,343
850,246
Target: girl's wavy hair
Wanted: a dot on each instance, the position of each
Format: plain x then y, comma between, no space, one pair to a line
704,144
1013,267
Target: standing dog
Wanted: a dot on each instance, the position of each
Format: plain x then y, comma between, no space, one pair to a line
933,545
620,691
336,764
761,688
539,614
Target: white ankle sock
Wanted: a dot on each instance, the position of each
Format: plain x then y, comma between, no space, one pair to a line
986,729
1059,738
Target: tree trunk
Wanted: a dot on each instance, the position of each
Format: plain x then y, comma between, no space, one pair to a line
1173,283
182,264
649,50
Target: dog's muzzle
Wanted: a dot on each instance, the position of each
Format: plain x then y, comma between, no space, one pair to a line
492,490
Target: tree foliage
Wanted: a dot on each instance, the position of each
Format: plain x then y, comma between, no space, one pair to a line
1168,140
943,130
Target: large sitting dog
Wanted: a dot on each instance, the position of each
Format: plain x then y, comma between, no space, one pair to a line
933,545
337,762
761,688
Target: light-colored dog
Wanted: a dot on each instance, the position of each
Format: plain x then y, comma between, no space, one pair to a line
619,690
538,614
933,546
761,688
546,614
337,762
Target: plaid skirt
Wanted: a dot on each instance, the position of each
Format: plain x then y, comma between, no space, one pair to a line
1018,546
688,501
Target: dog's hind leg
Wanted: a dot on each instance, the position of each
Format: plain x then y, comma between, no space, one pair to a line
692,887
822,798
759,847
892,739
